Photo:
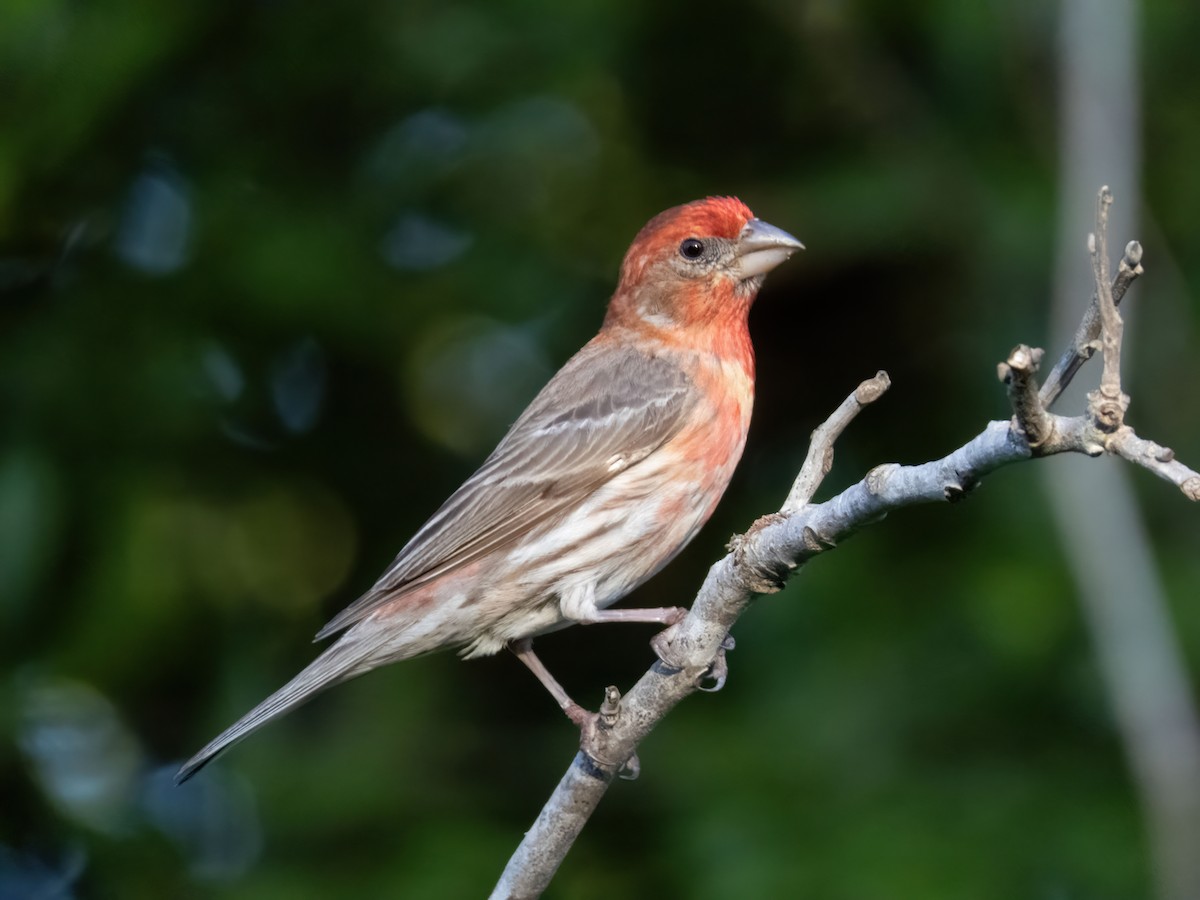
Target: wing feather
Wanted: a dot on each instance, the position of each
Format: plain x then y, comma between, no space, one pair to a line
606,410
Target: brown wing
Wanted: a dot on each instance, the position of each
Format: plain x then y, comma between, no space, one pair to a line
605,410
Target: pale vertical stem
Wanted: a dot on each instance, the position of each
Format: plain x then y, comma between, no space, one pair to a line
1096,514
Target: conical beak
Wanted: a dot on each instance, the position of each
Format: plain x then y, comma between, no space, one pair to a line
761,247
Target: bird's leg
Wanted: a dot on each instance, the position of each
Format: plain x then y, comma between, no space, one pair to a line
663,615
523,650
590,724
670,616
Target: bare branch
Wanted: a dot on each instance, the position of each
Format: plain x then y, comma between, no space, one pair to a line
1108,404
561,820
819,461
1083,345
1018,373
761,559
1156,458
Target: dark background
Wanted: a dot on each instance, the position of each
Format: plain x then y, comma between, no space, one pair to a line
274,278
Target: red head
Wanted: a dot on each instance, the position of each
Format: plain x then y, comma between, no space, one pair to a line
697,266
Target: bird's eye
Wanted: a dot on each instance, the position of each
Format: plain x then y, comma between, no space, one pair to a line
691,248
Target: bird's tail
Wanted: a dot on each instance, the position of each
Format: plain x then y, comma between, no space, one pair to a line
349,657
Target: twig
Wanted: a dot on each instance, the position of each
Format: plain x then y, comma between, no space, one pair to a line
1155,458
819,460
1107,404
1083,345
1029,415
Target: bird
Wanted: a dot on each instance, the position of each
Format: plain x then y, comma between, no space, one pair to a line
610,471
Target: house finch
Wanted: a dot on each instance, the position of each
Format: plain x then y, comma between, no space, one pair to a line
605,477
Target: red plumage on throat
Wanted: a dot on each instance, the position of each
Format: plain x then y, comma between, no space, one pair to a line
654,299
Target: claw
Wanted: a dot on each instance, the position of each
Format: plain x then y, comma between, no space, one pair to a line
631,769
719,670
661,642
661,645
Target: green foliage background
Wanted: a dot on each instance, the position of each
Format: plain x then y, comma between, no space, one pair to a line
273,278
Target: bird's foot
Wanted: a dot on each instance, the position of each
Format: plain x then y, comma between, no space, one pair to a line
718,673
661,645
661,642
